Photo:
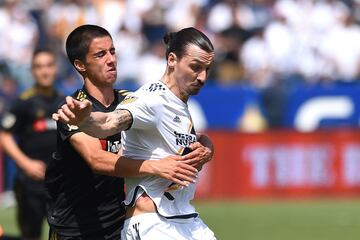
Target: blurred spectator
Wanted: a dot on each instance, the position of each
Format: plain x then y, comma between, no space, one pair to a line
129,45
151,64
256,60
228,69
181,14
111,14
341,47
19,35
65,15
153,22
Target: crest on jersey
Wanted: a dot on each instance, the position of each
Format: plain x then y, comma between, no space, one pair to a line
40,113
129,99
81,96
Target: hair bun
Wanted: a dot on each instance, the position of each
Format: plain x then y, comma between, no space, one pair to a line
169,37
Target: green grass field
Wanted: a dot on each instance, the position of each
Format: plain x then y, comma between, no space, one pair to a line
268,220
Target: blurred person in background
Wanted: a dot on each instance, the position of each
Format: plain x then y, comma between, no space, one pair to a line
28,136
8,93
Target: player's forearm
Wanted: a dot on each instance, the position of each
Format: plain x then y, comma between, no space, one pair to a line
126,167
10,146
101,125
103,162
110,164
96,125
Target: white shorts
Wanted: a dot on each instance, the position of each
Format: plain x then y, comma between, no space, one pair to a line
150,226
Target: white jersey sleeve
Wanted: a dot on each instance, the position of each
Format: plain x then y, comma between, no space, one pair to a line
142,110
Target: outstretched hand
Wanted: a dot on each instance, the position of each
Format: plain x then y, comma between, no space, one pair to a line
73,112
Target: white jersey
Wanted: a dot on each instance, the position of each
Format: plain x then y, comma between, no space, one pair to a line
162,126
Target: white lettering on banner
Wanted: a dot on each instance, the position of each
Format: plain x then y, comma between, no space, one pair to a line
351,164
312,111
260,163
290,165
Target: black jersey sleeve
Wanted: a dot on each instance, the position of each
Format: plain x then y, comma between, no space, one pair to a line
14,118
65,131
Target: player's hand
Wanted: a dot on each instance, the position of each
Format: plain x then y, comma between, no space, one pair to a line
35,169
198,156
74,112
175,170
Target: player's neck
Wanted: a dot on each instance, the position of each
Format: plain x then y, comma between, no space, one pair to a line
170,82
104,94
45,91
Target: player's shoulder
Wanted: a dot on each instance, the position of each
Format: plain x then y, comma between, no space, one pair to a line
121,94
147,94
27,94
152,91
154,88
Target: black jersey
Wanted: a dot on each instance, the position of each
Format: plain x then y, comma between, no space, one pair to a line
29,120
82,203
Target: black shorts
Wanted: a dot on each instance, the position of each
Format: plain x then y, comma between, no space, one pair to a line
31,209
55,236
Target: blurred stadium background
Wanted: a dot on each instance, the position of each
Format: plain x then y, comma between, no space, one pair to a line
282,104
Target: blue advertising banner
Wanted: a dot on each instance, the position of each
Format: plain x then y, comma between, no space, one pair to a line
304,108
225,107
311,108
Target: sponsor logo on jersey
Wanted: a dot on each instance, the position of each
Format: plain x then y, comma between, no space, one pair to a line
44,124
110,146
40,113
184,139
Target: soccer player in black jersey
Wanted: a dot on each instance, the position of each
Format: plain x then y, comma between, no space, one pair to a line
29,121
84,177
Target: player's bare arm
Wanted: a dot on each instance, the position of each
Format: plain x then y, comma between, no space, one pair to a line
97,124
101,125
32,167
171,168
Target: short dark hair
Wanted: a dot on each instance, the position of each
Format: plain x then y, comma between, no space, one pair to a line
78,41
39,50
178,41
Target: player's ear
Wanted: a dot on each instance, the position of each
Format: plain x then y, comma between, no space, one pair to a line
79,65
172,59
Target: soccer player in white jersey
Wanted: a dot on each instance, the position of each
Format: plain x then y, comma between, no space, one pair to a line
157,123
